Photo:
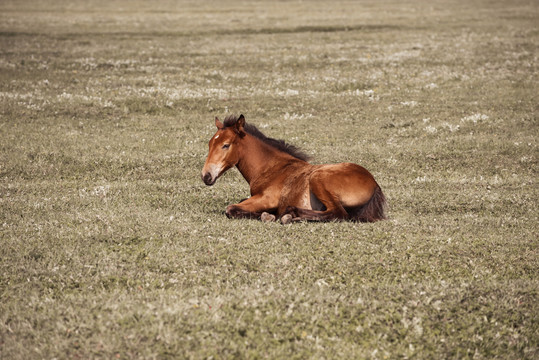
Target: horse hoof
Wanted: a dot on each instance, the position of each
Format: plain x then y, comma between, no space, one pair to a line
266,217
229,211
286,219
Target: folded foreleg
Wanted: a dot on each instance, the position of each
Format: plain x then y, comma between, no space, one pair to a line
251,208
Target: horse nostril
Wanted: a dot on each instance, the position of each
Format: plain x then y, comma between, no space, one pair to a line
207,179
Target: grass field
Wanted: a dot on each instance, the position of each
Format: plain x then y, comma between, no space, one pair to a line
111,246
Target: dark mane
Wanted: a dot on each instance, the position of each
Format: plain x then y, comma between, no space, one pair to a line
278,144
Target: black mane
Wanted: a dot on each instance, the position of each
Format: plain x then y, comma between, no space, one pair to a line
278,144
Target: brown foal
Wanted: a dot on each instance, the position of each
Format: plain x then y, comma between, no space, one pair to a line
284,185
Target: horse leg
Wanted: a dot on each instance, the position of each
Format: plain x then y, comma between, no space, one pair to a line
293,214
251,208
334,209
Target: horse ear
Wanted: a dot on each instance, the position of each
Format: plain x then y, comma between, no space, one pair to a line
240,123
218,123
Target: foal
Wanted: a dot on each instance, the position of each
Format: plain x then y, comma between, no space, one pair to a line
284,185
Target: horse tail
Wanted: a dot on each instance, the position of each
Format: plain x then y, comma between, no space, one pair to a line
373,210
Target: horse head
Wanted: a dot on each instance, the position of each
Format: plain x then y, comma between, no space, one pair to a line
223,150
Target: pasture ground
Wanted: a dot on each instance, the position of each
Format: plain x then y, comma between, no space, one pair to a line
112,247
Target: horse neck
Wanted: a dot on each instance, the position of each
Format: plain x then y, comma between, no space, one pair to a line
257,158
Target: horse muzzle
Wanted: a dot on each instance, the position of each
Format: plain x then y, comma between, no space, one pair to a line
208,179
210,173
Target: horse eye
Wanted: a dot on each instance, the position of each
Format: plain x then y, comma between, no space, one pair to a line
226,146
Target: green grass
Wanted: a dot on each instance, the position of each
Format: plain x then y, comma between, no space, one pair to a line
112,247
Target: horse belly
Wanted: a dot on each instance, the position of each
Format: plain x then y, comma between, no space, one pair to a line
309,201
295,191
315,203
